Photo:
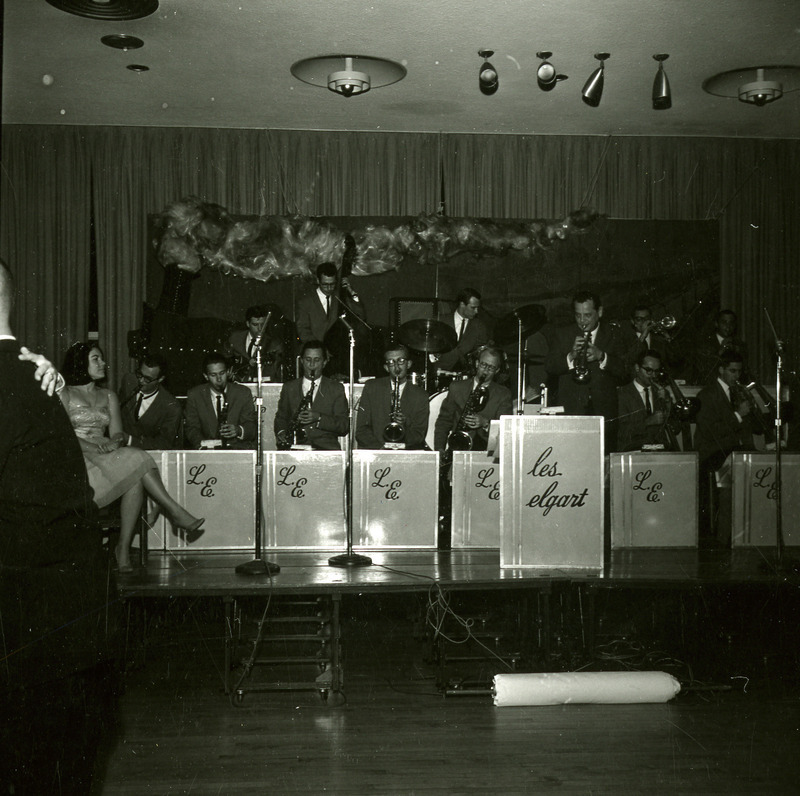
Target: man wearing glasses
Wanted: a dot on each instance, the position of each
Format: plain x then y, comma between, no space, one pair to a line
392,412
644,406
151,416
453,417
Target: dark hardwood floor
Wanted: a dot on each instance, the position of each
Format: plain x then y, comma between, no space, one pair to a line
734,730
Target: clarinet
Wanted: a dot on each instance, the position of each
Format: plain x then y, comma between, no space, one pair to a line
297,433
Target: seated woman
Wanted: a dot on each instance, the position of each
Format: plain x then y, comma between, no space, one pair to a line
114,470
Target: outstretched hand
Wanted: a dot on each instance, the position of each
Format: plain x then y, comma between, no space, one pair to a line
46,372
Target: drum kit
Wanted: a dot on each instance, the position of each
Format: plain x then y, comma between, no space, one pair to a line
429,336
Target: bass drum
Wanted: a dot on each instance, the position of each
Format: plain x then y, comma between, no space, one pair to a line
434,407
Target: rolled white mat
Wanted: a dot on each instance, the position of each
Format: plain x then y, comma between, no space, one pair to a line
602,688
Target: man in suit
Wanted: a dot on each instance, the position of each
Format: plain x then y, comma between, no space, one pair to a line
706,352
219,409
375,407
645,337
599,351
724,424
241,345
475,424
644,407
57,676
313,405
470,330
151,415
317,312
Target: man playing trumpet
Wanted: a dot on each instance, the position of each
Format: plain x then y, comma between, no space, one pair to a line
392,412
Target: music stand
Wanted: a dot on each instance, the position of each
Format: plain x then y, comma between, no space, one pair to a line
349,558
258,566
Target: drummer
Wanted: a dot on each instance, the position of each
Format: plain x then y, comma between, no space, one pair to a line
471,331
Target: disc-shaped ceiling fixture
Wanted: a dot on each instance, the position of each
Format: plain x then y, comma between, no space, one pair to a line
348,75
107,9
755,85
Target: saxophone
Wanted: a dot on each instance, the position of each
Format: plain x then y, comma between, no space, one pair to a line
460,439
394,431
297,433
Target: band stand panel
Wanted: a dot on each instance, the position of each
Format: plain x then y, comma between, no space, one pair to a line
475,516
552,490
395,499
654,499
753,488
217,485
303,500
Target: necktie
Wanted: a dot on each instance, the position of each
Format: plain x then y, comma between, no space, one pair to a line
327,306
138,407
461,330
311,392
647,405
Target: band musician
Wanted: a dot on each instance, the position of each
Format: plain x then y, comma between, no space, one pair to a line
241,346
471,331
644,407
151,415
219,409
460,412
392,411
707,350
312,410
724,425
589,360
649,335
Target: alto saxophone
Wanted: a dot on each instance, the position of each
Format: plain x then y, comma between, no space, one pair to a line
394,431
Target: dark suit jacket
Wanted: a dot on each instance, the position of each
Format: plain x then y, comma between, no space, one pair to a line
331,403
271,356
200,419
52,576
704,357
718,431
499,403
159,427
599,395
475,334
312,323
373,413
634,427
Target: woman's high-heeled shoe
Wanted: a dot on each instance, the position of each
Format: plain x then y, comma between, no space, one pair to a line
187,526
122,569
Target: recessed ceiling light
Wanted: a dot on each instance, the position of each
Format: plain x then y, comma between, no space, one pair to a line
107,9
138,68
121,41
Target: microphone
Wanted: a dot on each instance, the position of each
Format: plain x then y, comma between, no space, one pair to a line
350,292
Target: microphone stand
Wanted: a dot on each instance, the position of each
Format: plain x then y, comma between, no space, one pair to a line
258,566
782,565
520,371
350,559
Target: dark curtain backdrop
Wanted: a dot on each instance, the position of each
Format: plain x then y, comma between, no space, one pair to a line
54,176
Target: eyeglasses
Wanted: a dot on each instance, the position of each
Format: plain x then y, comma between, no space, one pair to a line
490,368
651,371
398,361
146,379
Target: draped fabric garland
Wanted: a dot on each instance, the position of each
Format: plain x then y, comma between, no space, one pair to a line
193,234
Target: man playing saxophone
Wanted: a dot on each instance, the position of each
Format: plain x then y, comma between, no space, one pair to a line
312,410
455,414
392,412
589,360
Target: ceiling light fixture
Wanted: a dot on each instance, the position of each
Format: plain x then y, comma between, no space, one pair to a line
122,41
593,89
488,80
546,75
107,9
348,75
662,94
754,85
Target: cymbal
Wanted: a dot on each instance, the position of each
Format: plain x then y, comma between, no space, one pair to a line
428,335
532,317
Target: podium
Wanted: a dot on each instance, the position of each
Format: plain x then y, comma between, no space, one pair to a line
395,499
753,497
475,514
654,499
551,491
217,485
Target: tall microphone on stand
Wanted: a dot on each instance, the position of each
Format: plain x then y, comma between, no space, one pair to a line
258,566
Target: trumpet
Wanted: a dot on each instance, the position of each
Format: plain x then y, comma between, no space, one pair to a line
296,433
664,326
394,431
580,365
459,438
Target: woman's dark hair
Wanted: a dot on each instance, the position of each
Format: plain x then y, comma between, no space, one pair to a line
75,369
